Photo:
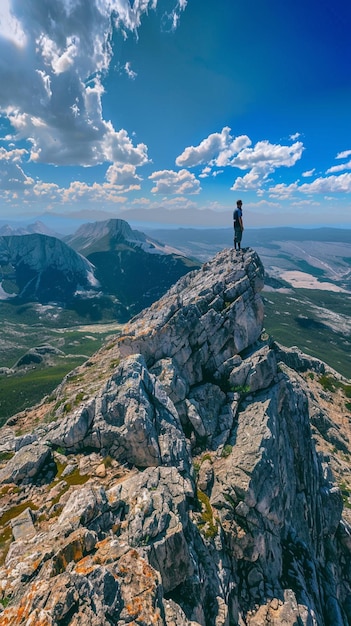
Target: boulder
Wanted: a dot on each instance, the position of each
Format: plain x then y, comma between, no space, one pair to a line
26,464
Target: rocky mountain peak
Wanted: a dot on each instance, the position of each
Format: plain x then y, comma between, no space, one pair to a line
185,475
114,228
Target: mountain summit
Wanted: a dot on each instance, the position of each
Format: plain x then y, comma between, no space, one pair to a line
134,268
191,473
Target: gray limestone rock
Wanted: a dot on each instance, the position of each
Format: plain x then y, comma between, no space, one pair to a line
132,418
22,526
205,319
255,537
27,463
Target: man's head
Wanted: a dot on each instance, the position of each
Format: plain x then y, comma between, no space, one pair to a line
239,204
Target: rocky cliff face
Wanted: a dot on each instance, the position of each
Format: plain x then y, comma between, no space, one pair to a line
188,474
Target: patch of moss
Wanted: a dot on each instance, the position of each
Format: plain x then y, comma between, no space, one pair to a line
329,383
15,511
107,461
207,525
347,390
227,450
5,541
6,456
79,397
345,494
114,363
242,389
206,457
9,489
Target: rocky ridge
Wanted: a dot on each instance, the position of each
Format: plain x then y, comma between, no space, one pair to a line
191,473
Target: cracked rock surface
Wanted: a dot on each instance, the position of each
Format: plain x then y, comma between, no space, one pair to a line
199,477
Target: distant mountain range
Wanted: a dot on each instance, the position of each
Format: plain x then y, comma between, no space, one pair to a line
104,264
42,268
133,267
27,229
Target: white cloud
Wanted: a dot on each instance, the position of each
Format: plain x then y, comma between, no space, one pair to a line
308,173
168,182
222,149
295,136
305,203
128,70
343,155
12,155
96,193
205,172
266,157
251,180
10,27
53,56
321,185
282,190
339,168
124,176
216,149
263,159
329,184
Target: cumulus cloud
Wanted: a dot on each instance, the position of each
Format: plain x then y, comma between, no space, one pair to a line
96,193
53,57
282,190
224,150
267,156
168,182
321,185
262,160
329,184
339,168
216,149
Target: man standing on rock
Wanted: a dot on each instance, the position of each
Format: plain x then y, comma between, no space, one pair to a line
238,224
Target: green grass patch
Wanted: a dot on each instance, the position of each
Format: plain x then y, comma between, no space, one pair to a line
6,456
10,514
317,272
22,391
292,320
207,524
227,450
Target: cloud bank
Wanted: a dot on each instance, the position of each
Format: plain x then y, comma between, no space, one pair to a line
53,57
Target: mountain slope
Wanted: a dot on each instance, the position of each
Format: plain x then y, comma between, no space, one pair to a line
191,473
43,268
133,267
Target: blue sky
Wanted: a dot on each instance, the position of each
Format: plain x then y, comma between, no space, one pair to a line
173,109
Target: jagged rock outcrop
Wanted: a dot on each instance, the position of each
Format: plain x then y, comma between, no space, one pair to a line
190,476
